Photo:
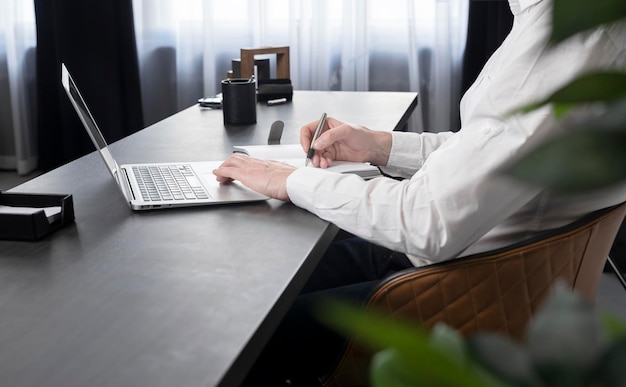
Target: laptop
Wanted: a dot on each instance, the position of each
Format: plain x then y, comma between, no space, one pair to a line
151,186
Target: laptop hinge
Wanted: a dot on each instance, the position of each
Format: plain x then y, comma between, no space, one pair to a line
126,185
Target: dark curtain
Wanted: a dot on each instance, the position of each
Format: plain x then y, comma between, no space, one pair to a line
96,41
489,23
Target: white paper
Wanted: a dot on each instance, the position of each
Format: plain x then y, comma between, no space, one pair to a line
293,154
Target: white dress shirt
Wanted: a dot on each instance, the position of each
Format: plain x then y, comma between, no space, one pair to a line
452,203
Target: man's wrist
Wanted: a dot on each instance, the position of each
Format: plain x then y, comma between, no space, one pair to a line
382,149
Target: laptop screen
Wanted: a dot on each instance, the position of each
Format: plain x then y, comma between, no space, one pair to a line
87,119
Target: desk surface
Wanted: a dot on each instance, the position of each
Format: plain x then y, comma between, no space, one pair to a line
177,297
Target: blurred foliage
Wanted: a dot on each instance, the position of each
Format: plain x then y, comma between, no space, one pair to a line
591,153
567,343
573,16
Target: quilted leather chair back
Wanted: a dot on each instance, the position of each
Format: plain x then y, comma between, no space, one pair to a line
497,291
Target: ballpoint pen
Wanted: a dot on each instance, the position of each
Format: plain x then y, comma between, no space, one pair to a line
318,130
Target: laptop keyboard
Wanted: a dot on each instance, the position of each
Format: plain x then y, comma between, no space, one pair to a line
169,182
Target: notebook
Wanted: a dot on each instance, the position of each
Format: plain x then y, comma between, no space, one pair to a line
293,154
150,186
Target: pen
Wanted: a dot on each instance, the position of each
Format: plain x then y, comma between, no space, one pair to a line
318,130
277,101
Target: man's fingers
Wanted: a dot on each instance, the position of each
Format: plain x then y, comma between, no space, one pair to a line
227,171
223,180
306,134
330,137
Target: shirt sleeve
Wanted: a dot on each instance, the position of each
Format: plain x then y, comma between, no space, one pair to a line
409,152
455,193
451,201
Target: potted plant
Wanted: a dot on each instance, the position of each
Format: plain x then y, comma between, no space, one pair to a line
567,343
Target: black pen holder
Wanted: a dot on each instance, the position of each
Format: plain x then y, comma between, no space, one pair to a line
239,101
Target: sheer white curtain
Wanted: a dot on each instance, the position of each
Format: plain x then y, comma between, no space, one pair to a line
18,129
186,47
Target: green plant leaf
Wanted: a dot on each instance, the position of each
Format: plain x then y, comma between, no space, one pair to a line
390,369
592,87
565,338
371,329
570,17
505,358
561,109
447,340
410,342
575,162
614,327
602,86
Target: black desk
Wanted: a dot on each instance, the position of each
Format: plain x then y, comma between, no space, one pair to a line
183,297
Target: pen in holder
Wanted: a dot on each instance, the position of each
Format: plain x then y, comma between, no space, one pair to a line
239,101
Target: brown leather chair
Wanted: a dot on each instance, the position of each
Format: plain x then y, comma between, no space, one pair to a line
498,291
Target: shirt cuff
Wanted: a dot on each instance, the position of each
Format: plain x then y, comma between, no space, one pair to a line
402,161
306,186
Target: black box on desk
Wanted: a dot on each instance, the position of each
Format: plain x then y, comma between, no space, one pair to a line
36,225
274,88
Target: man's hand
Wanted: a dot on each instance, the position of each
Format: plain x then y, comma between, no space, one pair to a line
345,142
266,177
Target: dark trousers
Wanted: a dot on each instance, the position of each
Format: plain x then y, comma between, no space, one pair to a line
302,349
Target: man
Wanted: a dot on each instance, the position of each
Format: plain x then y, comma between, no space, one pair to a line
451,202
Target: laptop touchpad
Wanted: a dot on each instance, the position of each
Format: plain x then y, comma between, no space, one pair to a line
229,191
